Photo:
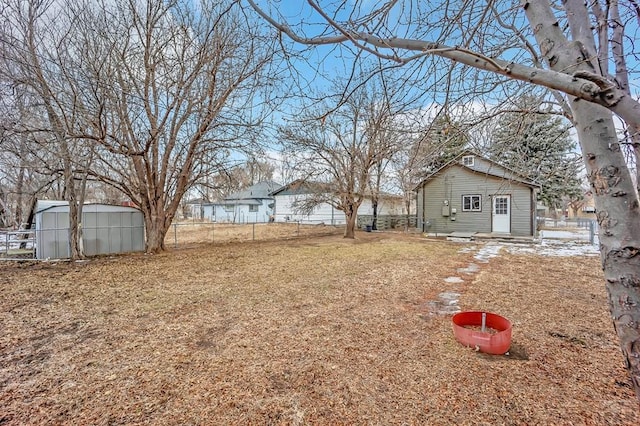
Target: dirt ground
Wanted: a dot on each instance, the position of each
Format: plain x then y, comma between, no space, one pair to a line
320,330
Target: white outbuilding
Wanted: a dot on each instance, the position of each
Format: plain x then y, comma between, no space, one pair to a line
106,229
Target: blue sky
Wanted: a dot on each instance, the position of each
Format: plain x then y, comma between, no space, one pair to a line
336,60
322,63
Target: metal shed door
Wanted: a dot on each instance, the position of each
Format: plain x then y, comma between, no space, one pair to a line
501,217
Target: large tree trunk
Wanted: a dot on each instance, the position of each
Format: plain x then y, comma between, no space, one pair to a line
616,198
619,220
155,236
75,210
350,214
156,225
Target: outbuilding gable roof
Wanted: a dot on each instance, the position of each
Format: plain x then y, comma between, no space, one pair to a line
486,167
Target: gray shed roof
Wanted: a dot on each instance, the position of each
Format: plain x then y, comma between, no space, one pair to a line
63,206
493,169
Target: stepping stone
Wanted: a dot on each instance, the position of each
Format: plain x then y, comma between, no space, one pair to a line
449,310
454,280
449,295
467,249
471,269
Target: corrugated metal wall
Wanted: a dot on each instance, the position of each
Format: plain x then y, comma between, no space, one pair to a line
106,230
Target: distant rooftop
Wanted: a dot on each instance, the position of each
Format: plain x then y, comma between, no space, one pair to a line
257,191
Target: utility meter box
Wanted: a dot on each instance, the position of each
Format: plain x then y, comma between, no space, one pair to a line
445,210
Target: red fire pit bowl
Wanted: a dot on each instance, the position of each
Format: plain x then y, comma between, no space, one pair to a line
496,343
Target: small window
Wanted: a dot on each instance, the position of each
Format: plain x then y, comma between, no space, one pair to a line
468,160
502,205
253,207
471,203
228,207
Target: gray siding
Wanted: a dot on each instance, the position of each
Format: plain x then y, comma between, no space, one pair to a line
455,181
106,229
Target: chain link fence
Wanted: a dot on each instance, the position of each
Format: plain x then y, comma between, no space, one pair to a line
579,229
17,245
21,245
183,233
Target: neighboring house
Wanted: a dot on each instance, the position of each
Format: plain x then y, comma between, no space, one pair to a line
582,209
251,205
472,194
193,209
289,197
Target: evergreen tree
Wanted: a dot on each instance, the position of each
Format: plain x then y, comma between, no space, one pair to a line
442,141
538,146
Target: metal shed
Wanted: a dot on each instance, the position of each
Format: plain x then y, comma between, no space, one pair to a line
106,229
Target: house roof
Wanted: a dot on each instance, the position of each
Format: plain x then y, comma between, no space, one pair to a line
494,169
300,186
257,191
197,201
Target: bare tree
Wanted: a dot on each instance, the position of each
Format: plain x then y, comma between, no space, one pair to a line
28,165
152,95
576,44
184,83
341,150
38,59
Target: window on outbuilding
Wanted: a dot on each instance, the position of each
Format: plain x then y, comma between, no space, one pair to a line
471,203
228,207
468,160
253,207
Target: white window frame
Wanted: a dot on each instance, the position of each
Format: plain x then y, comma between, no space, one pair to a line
229,207
471,197
254,208
468,160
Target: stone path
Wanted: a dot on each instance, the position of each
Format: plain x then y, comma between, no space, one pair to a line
447,302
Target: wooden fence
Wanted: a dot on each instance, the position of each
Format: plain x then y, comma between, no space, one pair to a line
389,221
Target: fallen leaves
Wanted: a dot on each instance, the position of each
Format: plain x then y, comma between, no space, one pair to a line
318,330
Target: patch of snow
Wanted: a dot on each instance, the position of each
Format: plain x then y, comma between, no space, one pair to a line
553,243
488,251
555,248
471,269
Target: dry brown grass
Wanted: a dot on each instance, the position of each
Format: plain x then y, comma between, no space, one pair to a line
313,331
186,233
